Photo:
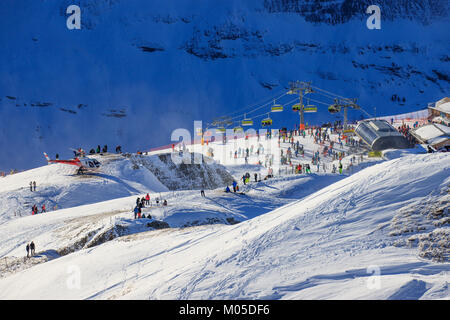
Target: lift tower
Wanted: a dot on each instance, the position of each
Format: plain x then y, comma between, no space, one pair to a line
301,88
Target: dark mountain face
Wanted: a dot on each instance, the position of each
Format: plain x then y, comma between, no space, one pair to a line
341,11
137,70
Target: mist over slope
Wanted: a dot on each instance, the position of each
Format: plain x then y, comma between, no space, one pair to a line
137,70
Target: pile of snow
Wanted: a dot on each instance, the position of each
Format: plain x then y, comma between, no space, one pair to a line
390,154
333,244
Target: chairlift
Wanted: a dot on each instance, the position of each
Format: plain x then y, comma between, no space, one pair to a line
276,107
334,108
247,122
266,122
309,108
296,107
238,129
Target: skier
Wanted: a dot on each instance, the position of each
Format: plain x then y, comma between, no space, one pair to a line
256,177
43,208
234,185
165,203
227,189
98,149
34,185
244,178
32,248
202,193
139,212
28,250
136,209
31,186
340,168
147,199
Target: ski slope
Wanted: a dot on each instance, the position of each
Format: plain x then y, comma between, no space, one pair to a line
323,246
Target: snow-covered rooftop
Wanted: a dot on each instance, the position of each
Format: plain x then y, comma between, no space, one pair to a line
431,131
445,107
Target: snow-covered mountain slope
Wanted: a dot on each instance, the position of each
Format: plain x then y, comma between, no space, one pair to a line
58,186
137,70
339,242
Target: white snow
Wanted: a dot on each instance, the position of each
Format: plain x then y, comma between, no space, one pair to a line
325,246
445,107
432,131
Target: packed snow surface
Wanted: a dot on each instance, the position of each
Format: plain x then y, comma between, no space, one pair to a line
339,242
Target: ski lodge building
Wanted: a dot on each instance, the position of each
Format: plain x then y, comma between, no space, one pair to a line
380,135
439,112
434,134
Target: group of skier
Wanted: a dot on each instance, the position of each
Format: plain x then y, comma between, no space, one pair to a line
35,210
142,203
32,186
30,249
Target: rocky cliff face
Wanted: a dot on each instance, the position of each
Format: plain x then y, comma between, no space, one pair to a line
137,70
341,11
187,175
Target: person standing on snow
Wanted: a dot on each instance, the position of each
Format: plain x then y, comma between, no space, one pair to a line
136,209
147,199
34,185
31,186
202,193
28,250
32,248
43,208
234,185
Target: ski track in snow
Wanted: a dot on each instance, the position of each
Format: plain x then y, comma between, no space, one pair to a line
302,237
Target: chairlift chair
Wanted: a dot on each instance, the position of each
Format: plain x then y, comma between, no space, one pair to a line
247,122
296,107
266,122
276,107
334,108
238,129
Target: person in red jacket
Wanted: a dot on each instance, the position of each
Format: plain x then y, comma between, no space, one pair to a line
147,199
43,208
